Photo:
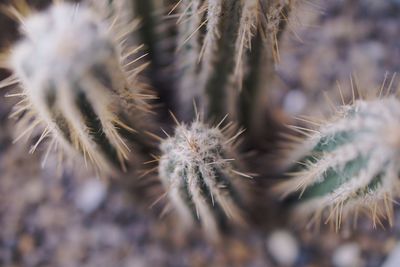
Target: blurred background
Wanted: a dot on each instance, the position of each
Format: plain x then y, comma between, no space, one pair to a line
76,219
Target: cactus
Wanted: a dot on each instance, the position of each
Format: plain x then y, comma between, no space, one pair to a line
197,170
76,83
221,46
349,164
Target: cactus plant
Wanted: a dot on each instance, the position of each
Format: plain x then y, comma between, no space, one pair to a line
76,83
198,170
349,164
79,83
88,98
81,74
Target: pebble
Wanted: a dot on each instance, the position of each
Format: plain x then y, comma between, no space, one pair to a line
393,259
347,255
294,102
283,247
91,195
26,244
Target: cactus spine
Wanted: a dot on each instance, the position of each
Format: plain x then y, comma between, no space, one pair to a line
350,164
76,83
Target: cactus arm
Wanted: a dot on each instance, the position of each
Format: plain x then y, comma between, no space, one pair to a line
349,164
77,91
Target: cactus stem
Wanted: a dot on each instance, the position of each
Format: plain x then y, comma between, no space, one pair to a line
349,164
199,175
79,92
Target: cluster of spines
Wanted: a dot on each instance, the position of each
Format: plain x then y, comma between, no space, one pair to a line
349,165
197,169
75,82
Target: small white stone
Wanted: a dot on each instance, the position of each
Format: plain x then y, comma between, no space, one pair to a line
91,195
283,247
347,255
294,102
34,191
393,259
